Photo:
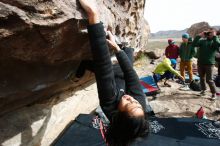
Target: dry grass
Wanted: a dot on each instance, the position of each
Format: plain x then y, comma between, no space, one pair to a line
160,43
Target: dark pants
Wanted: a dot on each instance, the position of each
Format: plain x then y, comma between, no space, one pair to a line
118,74
206,74
218,68
167,75
217,59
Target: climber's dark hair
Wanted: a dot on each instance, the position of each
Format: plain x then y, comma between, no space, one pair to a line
124,129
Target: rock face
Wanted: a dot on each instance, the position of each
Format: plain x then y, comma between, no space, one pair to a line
41,123
198,28
43,41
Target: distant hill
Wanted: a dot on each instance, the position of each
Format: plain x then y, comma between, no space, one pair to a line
217,27
167,34
171,33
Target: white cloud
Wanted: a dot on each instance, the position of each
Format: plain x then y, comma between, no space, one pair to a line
180,14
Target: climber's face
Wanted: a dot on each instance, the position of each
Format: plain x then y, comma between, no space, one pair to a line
185,40
130,105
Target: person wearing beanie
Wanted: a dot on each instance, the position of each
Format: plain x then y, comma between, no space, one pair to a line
165,70
207,44
186,52
171,50
185,36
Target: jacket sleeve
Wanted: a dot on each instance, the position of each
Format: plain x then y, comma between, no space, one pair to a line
193,51
216,42
170,68
196,42
178,51
104,69
196,52
130,75
166,52
133,85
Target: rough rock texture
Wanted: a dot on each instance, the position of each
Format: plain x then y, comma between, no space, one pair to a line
144,36
152,55
42,41
41,123
198,28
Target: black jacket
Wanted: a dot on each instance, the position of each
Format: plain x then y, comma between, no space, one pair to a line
108,89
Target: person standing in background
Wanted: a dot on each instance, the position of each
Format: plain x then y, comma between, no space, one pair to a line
186,52
208,44
172,50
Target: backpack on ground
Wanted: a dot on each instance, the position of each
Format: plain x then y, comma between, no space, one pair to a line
195,85
217,81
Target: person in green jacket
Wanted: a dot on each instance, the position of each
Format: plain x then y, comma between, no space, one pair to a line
165,70
208,44
217,56
186,53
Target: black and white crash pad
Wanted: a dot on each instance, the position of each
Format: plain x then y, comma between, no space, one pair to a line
164,132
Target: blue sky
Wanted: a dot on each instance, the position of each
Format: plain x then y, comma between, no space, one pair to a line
181,14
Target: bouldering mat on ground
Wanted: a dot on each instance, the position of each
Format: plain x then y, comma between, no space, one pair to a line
164,132
195,77
148,85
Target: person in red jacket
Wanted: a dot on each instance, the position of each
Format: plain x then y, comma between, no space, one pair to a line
172,50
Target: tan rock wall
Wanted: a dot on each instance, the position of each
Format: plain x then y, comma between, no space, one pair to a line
43,41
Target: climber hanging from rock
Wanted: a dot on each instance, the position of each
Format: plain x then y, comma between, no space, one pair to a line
120,94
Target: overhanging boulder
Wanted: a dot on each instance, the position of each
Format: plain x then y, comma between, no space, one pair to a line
43,41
